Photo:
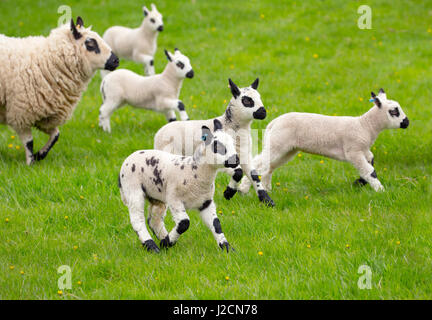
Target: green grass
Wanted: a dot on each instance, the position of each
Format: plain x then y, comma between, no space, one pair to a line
317,205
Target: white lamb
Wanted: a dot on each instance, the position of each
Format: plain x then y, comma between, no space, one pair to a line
42,80
341,138
180,183
159,92
245,106
138,44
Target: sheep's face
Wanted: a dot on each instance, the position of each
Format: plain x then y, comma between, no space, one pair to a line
218,147
181,64
246,103
394,115
93,48
153,19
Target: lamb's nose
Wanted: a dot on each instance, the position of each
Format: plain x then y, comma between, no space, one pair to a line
190,74
160,29
405,123
260,114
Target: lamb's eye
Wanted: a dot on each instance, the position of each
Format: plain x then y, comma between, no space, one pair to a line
394,112
247,102
92,45
180,64
152,20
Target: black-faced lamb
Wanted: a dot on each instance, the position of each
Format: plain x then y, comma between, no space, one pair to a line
137,44
179,183
244,106
42,80
341,138
158,92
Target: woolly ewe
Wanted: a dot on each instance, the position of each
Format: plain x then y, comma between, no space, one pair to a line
42,80
180,183
341,138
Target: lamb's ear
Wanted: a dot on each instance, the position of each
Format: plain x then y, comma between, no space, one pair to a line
168,55
77,35
206,135
176,50
145,11
376,100
217,125
382,94
254,85
234,89
79,23
154,7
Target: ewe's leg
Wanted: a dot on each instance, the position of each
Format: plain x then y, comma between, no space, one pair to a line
231,189
170,116
174,104
156,218
147,61
54,134
366,170
105,112
26,138
182,222
211,220
370,158
137,218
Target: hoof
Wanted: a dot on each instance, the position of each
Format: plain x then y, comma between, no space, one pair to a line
360,182
166,243
229,193
226,246
151,246
265,198
38,156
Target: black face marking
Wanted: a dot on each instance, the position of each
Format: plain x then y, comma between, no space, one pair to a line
360,182
238,174
145,12
77,35
260,114
248,102
112,62
229,192
183,226
133,167
218,147
180,65
217,125
264,197
254,85
234,89
167,55
181,106
394,112
405,123
217,226
92,45
255,177
207,136
151,62
228,114
152,20
205,205
374,175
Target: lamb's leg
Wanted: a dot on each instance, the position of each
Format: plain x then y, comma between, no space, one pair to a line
231,189
105,112
366,170
170,116
157,212
211,220
137,219
147,61
182,222
26,138
54,134
254,176
370,158
175,105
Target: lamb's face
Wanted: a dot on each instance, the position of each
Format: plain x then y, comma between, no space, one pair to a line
246,103
153,19
394,115
218,147
181,63
93,48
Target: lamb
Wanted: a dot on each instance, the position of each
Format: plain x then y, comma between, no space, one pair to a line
159,92
243,108
138,44
178,182
341,138
42,80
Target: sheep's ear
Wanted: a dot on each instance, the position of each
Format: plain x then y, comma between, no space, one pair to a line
79,23
153,7
77,35
234,89
376,100
254,85
176,50
217,125
168,55
206,135
145,11
382,94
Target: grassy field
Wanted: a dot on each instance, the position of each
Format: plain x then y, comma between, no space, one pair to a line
310,56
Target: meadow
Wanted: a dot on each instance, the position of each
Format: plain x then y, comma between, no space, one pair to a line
310,56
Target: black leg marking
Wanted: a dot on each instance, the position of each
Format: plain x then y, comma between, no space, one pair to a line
151,246
181,106
172,119
229,193
238,174
205,205
166,243
29,146
225,245
264,197
374,175
183,226
41,155
151,62
360,182
255,177
217,226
